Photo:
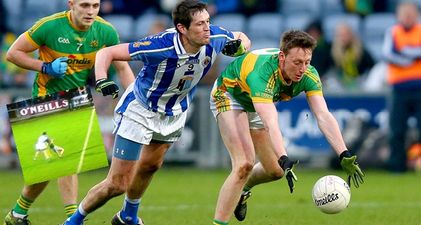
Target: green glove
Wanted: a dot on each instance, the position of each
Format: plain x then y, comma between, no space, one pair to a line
287,165
350,165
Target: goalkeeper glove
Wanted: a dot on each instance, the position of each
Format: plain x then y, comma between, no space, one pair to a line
350,165
287,165
233,48
55,68
107,87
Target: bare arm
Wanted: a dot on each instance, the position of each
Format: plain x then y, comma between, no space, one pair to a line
245,41
124,72
18,54
269,116
106,56
327,123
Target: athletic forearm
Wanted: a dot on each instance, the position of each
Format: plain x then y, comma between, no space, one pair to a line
330,128
102,64
269,116
106,56
277,141
23,60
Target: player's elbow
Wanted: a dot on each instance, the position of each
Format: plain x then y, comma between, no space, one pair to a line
10,56
275,174
149,168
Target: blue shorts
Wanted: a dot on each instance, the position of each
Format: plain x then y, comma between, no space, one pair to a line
126,149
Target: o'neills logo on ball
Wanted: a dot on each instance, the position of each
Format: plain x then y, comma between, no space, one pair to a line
329,198
44,107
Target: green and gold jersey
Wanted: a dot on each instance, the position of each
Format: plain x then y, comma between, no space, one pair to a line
56,36
256,77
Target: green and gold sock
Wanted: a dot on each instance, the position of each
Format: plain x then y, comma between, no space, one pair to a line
70,209
22,205
217,222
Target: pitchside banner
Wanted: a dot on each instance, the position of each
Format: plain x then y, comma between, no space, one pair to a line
299,126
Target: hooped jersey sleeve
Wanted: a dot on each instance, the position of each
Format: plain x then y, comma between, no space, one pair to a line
153,49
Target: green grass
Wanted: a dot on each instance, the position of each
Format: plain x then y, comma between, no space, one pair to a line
186,196
68,129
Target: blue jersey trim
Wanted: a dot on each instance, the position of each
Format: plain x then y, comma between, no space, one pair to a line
129,98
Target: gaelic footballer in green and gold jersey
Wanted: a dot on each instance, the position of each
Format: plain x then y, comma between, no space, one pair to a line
256,77
56,36
243,103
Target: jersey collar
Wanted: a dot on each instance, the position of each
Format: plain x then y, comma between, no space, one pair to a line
178,46
282,78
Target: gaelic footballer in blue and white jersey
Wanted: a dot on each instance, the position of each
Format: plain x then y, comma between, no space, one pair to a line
167,82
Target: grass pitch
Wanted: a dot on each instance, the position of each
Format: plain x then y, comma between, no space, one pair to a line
187,196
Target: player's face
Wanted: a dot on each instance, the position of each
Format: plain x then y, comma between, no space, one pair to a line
83,12
198,33
294,64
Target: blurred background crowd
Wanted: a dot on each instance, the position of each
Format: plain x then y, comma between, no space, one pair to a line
348,57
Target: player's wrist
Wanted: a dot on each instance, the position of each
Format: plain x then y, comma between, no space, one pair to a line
100,80
44,67
282,160
345,154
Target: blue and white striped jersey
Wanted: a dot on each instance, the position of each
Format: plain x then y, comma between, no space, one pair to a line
168,79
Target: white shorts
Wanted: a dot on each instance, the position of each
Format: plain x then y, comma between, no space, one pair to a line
226,102
138,124
41,146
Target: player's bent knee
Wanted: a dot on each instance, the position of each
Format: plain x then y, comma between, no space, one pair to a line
276,174
117,184
150,168
244,170
115,188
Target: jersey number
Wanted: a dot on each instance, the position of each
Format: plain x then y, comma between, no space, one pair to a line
78,46
185,81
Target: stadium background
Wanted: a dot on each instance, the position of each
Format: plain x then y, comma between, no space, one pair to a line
360,110
358,106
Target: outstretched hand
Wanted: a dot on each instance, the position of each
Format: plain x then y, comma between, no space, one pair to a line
288,166
350,166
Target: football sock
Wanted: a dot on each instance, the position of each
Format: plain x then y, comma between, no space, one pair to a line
70,209
129,212
78,216
217,222
22,205
246,188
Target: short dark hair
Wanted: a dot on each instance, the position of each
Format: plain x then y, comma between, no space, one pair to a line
296,38
184,10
